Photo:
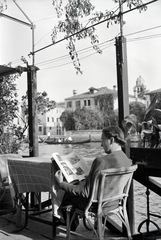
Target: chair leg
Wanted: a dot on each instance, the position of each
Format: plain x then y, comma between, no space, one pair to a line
54,228
99,227
124,218
19,212
127,225
68,224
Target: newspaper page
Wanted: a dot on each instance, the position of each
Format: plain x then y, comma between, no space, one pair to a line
73,166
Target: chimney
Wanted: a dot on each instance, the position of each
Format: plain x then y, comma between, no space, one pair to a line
74,92
114,87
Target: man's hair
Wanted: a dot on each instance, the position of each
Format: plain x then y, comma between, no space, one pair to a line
116,133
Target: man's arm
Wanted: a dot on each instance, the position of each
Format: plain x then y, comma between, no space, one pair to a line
83,187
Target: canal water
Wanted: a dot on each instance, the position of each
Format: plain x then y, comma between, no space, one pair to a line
91,150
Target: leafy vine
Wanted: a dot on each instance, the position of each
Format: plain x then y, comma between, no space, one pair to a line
106,102
73,28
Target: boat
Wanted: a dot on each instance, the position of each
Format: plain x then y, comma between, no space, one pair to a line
56,141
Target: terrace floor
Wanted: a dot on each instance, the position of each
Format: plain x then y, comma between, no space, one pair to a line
40,231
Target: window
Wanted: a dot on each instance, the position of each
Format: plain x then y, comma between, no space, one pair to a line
50,128
40,129
95,102
85,103
52,119
89,102
47,119
69,104
77,104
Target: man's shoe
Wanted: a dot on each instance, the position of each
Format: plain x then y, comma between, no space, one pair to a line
59,222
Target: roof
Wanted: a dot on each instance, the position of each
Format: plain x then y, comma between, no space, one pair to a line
154,91
5,70
100,91
60,104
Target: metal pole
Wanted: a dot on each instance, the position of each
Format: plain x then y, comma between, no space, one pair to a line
22,11
121,17
32,27
33,46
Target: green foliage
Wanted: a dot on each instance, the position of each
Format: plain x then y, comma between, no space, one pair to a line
110,118
156,110
3,5
10,134
134,3
130,124
148,129
68,120
106,106
43,103
8,101
73,29
138,109
87,119
106,102
158,102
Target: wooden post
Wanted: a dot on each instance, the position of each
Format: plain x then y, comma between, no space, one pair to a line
32,110
123,109
122,79
32,119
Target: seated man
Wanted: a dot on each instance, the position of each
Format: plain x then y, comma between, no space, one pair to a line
77,195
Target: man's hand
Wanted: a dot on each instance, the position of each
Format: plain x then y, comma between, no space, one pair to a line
59,176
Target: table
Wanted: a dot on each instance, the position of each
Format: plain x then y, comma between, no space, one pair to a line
27,175
31,174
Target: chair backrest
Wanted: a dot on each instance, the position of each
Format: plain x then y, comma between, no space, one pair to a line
6,195
3,162
111,185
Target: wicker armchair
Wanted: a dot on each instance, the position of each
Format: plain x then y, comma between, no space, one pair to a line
108,196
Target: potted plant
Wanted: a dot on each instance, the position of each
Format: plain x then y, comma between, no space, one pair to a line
148,131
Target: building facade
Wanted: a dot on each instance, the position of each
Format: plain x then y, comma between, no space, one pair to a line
49,123
88,99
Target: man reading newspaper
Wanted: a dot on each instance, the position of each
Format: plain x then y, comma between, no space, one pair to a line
77,194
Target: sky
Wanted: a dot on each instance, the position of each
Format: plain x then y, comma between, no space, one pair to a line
57,75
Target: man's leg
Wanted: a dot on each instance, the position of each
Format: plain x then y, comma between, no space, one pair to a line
76,202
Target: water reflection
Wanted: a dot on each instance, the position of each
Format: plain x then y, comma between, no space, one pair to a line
89,150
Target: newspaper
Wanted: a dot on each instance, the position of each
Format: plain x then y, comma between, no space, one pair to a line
73,166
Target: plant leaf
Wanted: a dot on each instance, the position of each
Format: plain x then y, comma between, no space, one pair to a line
151,106
128,122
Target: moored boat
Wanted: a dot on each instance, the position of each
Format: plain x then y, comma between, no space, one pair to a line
56,141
